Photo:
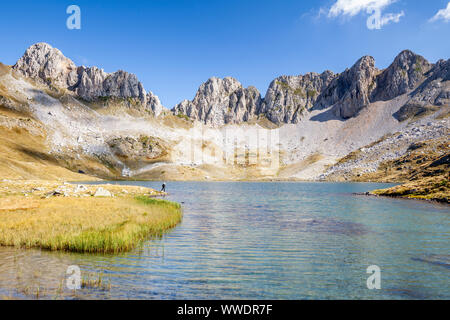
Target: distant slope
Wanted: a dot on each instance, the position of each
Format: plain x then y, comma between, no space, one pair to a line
24,153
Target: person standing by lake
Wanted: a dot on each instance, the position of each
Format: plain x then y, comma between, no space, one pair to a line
163,189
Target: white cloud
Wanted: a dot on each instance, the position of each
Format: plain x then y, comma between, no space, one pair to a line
391,17
443,14
353,7
372,7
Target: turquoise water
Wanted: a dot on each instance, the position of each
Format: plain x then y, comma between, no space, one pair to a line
267,241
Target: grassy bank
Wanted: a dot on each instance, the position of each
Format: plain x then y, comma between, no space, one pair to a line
424,171
85,224
432,188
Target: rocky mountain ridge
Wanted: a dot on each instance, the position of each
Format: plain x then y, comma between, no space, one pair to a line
220,101
73,117
49,66
289,98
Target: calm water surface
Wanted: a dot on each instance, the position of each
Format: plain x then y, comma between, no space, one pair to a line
262,241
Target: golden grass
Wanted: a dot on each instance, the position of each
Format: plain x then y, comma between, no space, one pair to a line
172,121
12,204
95,282
445,114
424,171
432,188
295,168
94,225
264,122
24,155
4,69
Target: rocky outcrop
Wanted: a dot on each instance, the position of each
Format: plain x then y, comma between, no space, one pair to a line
48,65
134,151
95,83
221,101
403,75
90,83
435,90
350,91
288,97
411,110
153,104
432,93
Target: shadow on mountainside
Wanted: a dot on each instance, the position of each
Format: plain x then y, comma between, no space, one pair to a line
327,116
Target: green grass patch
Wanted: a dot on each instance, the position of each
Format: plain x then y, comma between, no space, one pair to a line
158,202
183,116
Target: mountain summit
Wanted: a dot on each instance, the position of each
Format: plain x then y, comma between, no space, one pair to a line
287,100
328,126
290,98
48,65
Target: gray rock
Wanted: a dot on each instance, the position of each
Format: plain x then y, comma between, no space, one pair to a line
90,84
288,97
435,90
47,64
94,83
221,101
350,91
101,192
153,104
135,151
404,74
410,110
122,84
287,100
81,188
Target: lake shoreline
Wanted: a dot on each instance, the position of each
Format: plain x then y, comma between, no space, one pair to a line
375,195
251,241
82,218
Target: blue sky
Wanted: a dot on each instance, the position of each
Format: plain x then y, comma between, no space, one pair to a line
174,46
